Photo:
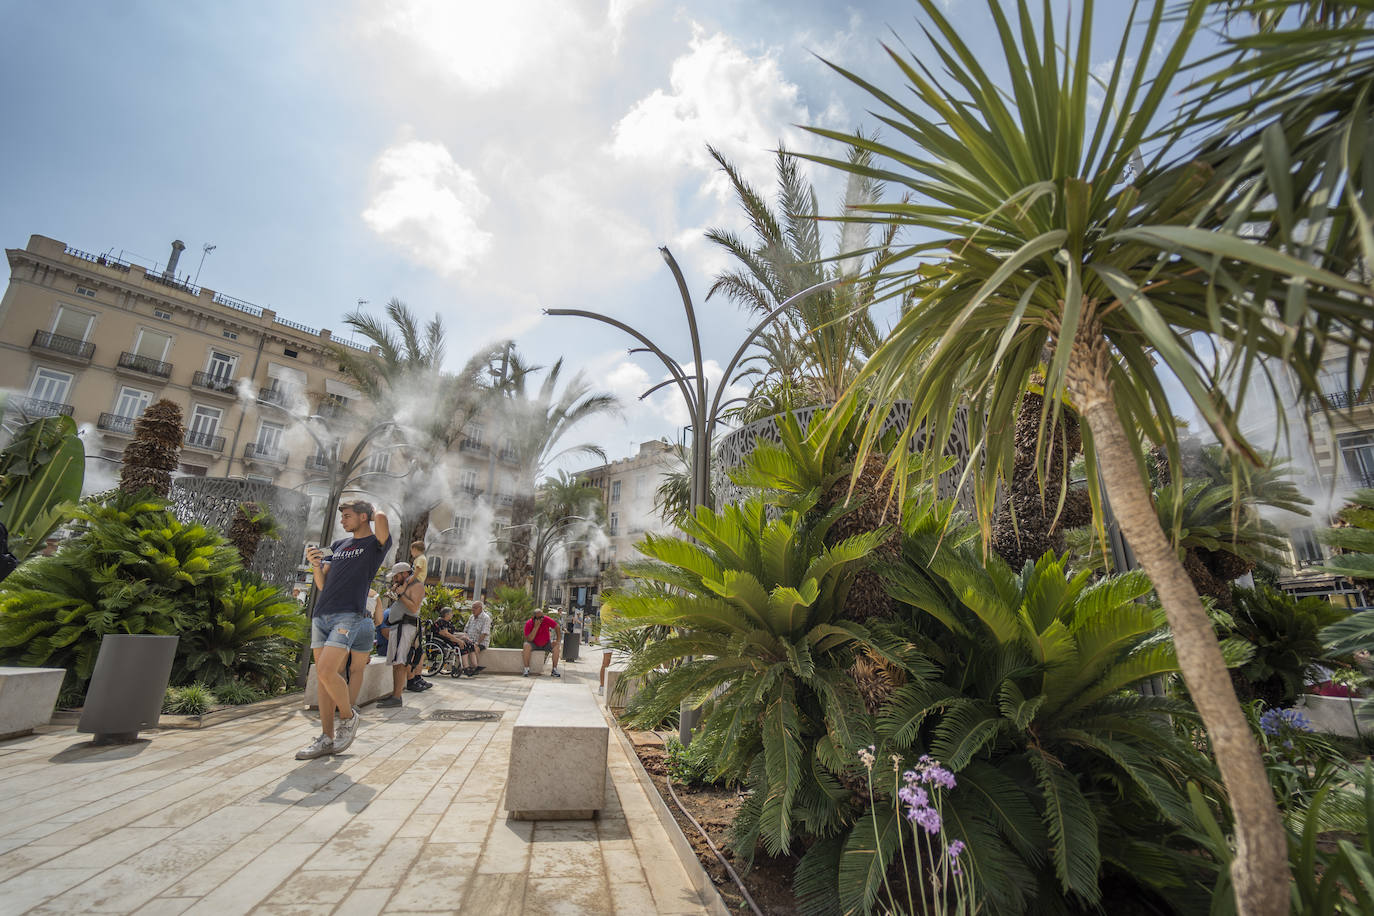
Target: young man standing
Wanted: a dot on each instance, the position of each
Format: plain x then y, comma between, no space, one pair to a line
404,617
340,623
541,632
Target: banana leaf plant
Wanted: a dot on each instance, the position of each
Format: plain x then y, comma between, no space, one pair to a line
41,472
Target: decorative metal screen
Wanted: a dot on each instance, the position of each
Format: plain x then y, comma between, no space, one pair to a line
737,446
214,500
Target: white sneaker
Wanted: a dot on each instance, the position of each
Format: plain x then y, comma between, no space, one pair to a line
525,673
318,748
344,731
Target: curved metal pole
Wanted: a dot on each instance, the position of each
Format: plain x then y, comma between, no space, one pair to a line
667,361
701,421
758,329
666,381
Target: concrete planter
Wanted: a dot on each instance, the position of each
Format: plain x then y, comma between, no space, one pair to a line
27,698
377,683
127,686
1332,715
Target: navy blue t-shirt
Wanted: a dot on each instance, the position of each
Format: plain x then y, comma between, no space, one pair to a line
351,570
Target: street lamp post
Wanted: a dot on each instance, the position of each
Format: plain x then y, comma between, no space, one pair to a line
695,390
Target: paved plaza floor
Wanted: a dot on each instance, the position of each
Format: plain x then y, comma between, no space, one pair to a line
223,820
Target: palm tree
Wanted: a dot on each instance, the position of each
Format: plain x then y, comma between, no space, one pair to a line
566,508
813,351
404,381
537,423
155,451
1056,231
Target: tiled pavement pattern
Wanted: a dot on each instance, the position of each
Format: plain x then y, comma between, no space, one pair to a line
223,820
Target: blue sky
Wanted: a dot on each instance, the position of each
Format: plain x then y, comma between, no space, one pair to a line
482,161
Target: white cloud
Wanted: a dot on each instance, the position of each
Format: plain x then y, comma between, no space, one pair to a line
484,47
718,94
428,205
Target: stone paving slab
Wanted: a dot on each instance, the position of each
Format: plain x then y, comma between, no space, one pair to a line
410,819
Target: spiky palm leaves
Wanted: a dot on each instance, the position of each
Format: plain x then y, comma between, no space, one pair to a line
566,510
251,523
155,450
813,352
538,423
253,638
760,643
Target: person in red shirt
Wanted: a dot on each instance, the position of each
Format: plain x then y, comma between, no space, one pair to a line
541,632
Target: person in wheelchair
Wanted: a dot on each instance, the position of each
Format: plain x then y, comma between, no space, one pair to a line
453,643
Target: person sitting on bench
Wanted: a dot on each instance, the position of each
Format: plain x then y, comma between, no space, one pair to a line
541,632
478,634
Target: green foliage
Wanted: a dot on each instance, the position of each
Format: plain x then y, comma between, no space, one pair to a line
135,568
41,472
694,765
254,635
239,693
510,608
191,700
438,597
1284,638
756,642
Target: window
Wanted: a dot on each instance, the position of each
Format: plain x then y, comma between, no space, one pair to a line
152,344
259,478
85,291
615,523
1306,548
221,366
72,322
468,481
472,435
378,462
327,453
50,385
1357,451
639,485
615,491
164,315
231,335
289,352
269,437
461,525
131,403
204,423
191,470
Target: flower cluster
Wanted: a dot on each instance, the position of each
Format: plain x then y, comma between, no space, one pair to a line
921,809
1275,722
955,847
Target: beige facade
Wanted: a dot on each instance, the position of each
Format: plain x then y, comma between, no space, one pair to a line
99,339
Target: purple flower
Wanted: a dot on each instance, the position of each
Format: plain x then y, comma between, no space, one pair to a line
914,796
927,818
955,847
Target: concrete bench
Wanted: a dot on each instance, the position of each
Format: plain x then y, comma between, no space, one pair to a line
508,661
558,755
1332,715
27,698
619,690
377,683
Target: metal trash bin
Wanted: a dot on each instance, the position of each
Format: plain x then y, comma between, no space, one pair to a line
570,644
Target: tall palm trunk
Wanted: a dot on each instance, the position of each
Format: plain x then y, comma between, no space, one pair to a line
1260,870
518,566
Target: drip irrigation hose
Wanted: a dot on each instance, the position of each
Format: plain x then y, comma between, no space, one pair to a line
704,835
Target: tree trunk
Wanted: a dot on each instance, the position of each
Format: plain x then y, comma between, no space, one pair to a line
518,552
1260,870
409,534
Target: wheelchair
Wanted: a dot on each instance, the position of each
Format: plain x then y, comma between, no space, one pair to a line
441,657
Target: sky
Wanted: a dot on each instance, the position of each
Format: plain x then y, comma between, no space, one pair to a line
482,161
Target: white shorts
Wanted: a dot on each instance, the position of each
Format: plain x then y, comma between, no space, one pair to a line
398,646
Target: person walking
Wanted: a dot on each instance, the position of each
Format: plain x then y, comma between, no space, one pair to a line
404,616
341,626
541,632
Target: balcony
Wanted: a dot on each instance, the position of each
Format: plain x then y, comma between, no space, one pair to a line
332,410
476,446
216,384
144,365
255,451
35,409
68,349
116,423
272,395
203,441
1340,400
509,456
319,464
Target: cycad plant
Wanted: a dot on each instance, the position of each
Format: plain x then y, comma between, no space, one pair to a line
760,644
1049,214
252,636
155,450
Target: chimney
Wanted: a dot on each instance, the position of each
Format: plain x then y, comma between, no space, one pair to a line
171,272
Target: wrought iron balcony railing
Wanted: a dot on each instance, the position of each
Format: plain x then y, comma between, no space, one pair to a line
145,364
320,463
258,452
216,383
206,441
116,423
34,407
272,396
67,346
1340,400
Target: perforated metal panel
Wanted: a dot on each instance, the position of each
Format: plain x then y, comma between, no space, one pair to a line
213,501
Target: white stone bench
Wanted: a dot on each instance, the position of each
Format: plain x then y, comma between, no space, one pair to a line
377,683
1332,715
619,690
558,755
27,698
510,661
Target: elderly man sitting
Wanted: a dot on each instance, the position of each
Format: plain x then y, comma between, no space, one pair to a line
478,635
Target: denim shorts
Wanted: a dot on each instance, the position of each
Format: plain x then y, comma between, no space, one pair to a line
345,629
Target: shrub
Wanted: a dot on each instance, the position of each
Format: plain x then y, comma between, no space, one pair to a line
191,700
255,636
1284,634
238,693
691,766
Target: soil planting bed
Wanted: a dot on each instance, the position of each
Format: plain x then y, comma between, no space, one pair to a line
769,881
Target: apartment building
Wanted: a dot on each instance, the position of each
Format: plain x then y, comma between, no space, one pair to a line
98,339
628,488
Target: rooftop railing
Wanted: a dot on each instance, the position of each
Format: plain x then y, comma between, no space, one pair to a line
102,260
184,285
297,325
238,305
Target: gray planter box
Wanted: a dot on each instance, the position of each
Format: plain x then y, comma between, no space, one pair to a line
27,698
127,686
